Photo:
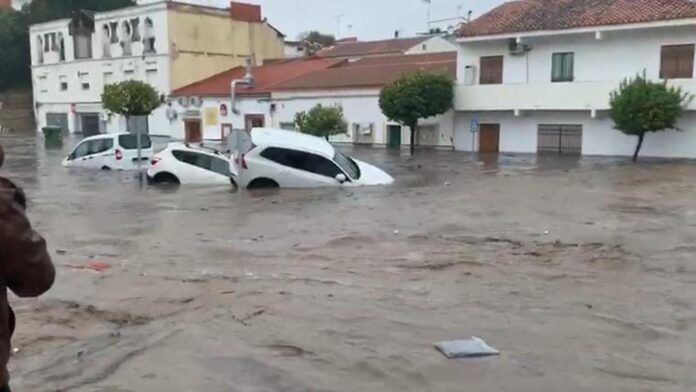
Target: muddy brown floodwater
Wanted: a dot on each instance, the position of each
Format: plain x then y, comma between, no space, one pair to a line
581,272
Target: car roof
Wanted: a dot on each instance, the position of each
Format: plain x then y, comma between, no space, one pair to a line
186,147
269,137
104,136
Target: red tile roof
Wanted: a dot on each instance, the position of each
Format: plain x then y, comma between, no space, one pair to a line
266,77
371,48
5,4
535,15
372,72
245,12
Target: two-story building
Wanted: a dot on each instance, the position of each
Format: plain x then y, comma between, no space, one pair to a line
165,43
536,76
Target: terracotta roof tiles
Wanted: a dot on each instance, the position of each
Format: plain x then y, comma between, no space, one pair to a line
536,15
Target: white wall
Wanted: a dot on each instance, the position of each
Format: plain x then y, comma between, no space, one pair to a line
519,134
99,70
433,45
618,55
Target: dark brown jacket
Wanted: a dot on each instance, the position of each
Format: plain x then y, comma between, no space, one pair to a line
25,266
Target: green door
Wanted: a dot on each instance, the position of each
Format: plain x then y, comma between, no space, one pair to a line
394,137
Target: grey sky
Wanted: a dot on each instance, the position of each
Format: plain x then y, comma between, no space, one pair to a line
370,19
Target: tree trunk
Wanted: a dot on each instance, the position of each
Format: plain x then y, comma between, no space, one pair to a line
641,138
413,127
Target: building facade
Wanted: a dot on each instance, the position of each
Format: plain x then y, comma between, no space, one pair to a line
539,82
164,43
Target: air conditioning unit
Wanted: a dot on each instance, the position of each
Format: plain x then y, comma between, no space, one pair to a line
518,49
183,102
196,101
366,129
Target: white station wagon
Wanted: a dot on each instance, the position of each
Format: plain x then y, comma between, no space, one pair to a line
287,159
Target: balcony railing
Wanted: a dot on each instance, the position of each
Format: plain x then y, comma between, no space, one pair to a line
545,96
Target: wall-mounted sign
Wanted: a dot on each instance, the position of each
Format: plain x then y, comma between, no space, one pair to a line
211,116
474,125
223,110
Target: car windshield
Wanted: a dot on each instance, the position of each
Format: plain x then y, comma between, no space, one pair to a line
130,142
347,164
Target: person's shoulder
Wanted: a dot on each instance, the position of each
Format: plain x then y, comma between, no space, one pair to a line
10,194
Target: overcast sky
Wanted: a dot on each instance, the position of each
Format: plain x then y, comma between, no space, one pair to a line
366,19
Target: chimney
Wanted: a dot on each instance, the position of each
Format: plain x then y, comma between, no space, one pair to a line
245,12
396,33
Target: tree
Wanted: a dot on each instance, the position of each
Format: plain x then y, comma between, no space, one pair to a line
131,98
313,41
15,68
39,11
640,106
415,96
322,121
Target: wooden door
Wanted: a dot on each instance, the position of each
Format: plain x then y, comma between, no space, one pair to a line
193,131
489,138
254,121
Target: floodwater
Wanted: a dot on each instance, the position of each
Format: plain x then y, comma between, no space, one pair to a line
581,272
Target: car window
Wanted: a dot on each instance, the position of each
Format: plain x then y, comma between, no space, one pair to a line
348,164
220,166
303,161
130,141
193,158
100,145
81,150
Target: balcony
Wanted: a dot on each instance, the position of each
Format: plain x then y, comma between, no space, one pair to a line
589,96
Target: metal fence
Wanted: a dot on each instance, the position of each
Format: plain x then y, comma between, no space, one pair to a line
560,139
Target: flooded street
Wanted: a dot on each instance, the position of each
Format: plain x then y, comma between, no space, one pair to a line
581,272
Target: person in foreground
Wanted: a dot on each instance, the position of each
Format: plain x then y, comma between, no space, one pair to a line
25,266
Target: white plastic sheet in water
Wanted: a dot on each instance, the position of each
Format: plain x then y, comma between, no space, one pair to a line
474,347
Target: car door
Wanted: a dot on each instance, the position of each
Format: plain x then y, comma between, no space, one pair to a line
101,154
195,168
297,169
78,157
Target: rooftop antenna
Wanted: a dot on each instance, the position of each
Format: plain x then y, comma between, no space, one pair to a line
429,4
339,18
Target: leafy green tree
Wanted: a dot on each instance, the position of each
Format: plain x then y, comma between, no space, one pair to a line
640,106
322,121
313,41
416,96
131,98
39,11
15,69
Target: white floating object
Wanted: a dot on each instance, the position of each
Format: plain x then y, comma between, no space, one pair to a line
474,347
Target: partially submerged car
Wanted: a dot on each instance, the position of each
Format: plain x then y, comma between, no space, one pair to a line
287,159
117,151
181,163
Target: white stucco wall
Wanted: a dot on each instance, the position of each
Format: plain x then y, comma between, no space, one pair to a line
519,134
433,45
99,70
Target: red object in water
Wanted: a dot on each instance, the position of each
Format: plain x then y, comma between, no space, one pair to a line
119,155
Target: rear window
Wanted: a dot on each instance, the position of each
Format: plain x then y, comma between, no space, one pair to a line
130,142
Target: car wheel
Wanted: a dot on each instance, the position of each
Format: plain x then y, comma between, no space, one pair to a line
165,178
263,183
106,168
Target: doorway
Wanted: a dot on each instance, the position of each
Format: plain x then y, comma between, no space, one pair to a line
254,121
89,124
489,138
394,137
560,139
193,132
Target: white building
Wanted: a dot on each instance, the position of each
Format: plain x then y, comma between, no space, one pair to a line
165,43
536,76
283,89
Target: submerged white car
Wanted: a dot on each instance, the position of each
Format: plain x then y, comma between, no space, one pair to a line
110,152
183,164
289,159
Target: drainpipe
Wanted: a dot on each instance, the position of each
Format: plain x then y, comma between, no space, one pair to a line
248,80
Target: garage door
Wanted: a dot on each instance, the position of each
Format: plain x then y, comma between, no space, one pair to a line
560,139
58,120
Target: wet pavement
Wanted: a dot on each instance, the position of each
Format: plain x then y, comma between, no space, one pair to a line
580,271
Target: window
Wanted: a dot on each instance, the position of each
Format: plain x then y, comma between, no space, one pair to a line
220,166
562,68
192,158
347,164
92,147
106,41
47,42
84,80
39,49
61,47
148,36
130,142
63,83
114,32
302,161
43,84
491,70
135,26
677,62
288,126
81,150
83,45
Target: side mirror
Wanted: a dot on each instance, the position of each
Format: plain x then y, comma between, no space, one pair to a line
71,157
340,177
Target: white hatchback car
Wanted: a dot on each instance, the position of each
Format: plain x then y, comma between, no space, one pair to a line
182,164
110,152
289,159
